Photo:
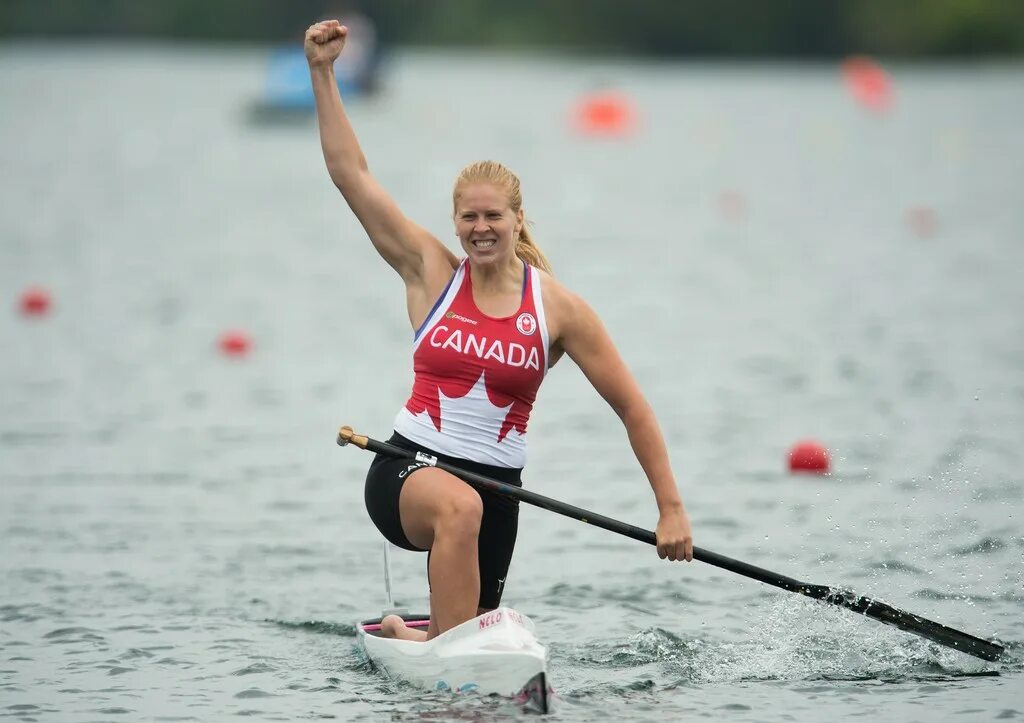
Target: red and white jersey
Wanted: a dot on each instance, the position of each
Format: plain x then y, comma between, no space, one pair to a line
476,376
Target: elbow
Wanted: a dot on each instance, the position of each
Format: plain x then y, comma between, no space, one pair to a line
633,412
344,175
338,178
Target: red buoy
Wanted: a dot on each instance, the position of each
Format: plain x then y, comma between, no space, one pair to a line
808,456
235,343
35,302
604,114
868,83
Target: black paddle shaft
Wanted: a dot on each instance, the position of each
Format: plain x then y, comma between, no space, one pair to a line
883,612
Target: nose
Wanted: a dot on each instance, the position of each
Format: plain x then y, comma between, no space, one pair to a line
481,226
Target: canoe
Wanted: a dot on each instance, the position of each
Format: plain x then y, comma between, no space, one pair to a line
494,653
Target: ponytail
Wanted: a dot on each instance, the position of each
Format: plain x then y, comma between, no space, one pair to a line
528,250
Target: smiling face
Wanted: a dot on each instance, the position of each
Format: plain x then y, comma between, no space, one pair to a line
486,225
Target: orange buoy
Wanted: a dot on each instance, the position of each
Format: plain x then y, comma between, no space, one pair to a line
235,343
868,82
607,113
810,456
35,302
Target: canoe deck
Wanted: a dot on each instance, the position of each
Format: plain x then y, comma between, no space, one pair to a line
412,620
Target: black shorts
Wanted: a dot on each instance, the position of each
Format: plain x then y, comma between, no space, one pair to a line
497,528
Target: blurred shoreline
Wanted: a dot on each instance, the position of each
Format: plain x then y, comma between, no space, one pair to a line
730,28
121,44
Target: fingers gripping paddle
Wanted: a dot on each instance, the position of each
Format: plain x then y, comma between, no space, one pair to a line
876,609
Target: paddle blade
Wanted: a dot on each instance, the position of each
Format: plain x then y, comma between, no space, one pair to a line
909,622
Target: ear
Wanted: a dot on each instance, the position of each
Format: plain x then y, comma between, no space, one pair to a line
520,215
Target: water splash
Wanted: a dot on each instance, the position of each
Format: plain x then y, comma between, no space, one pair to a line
801,640
795,640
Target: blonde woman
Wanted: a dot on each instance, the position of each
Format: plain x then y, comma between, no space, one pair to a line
487,327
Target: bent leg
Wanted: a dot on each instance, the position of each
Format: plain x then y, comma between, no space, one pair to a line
441,513
496,546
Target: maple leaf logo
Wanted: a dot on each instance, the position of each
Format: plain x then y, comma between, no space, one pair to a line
489,414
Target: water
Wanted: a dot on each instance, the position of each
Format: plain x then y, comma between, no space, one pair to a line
183,540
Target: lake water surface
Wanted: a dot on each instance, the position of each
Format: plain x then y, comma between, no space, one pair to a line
182,539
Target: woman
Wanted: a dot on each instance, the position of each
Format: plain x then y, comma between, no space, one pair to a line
487,329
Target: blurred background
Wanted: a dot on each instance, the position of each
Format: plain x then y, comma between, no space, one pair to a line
801,222
746,28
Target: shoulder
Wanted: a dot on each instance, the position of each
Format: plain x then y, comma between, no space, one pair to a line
556,296
437,264
425,282
564,309
434,258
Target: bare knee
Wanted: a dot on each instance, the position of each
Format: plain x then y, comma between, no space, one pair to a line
459,515
434,502
393,626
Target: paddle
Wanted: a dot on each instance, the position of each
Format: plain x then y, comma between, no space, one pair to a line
880,611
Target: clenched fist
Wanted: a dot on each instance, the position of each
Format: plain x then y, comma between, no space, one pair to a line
324,41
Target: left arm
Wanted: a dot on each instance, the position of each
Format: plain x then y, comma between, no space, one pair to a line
587,342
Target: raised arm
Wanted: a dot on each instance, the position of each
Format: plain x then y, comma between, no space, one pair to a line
406,246
587,342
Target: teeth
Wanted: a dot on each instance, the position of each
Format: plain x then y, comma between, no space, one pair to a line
484,243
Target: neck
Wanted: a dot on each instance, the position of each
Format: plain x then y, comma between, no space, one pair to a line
500,277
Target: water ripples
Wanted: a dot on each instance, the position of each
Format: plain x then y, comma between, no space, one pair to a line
182,540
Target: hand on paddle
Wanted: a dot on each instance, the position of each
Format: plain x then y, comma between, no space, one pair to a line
675,539
324,41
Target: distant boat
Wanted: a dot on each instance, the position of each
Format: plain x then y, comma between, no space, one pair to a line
287,92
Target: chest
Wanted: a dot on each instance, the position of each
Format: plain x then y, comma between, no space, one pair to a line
506,345
495,305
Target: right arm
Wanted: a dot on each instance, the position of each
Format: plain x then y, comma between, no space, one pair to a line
407,247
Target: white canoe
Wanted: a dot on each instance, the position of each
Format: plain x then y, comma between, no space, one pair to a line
493,653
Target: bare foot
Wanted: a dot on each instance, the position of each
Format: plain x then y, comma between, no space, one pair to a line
394,627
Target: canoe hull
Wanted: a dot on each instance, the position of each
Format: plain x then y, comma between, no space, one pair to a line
493,653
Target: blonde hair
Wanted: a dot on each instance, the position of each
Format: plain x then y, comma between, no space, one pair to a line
498,175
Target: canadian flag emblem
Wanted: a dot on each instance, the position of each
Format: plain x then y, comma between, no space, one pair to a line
526,324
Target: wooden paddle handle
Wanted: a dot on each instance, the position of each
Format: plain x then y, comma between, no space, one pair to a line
346,435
